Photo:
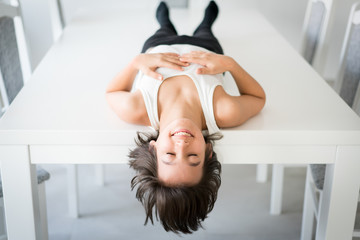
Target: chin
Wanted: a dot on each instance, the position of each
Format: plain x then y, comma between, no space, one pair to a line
184,123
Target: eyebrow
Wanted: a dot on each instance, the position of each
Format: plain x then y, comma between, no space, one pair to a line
172,163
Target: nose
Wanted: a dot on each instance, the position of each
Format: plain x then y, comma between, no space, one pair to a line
181,143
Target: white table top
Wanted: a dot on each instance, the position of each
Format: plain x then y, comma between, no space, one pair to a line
64,102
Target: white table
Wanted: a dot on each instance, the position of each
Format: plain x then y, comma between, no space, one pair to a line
61,115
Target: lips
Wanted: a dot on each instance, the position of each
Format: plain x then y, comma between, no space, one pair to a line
182,132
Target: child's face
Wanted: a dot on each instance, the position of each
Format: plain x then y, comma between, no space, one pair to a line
180,150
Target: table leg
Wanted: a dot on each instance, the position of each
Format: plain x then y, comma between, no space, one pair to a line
21,202
100,174
340,195
277,184
73,190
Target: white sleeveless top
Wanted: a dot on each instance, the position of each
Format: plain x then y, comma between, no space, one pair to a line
205,85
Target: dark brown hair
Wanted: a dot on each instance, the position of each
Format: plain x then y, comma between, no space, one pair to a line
179,208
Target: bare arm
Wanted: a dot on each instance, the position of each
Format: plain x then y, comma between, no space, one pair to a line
230,110
129,106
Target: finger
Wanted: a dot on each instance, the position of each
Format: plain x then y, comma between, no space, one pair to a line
202,71
195,54
154,74
193,59
178,62
171,54
189,55
172,65
172,62
171,57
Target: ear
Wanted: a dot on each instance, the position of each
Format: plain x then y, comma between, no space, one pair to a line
152,144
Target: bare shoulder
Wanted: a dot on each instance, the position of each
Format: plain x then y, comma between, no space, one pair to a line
223,107
129,106
232,111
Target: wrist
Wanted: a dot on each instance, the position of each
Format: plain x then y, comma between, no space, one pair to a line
230,64
135,62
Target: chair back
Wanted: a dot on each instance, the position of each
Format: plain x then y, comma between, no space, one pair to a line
4,103
14,61
348,78
314,29
9,59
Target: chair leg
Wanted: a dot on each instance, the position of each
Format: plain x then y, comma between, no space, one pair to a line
277,189
262,173
99,174
308,211
43,215
4,102
43,211
73,191
3,235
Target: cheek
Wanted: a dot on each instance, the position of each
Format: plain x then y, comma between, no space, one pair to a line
181,175
163,142
202,146
161,171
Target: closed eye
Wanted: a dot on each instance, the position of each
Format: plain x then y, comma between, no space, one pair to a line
194,164
173,154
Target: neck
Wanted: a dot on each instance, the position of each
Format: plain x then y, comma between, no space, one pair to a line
179,111
178,99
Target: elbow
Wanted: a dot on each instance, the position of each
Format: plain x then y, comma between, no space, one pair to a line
262,98
110,100
108,90
125,108
108,97
261,104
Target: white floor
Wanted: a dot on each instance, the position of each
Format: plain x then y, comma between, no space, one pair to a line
112,212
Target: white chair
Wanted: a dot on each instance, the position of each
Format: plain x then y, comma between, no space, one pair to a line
348,79
356,104
314,32
14,69
312,47
10,87
42,176
11,22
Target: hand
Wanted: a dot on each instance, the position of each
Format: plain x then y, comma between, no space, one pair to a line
149,62
212,63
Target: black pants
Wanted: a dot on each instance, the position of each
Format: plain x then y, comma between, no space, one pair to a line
167,35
